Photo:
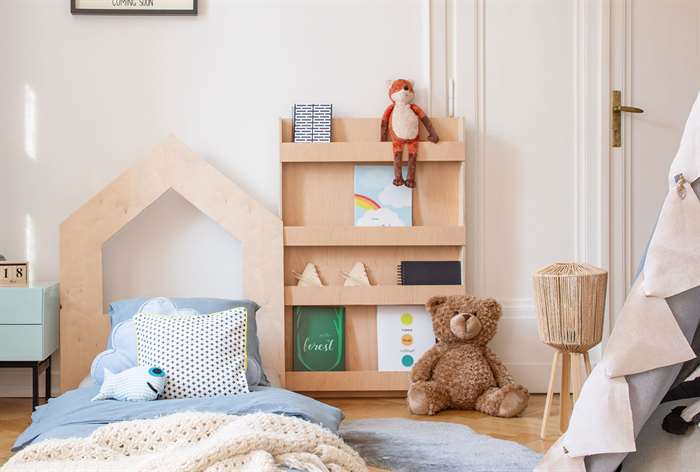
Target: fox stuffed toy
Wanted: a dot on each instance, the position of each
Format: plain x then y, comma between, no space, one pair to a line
400,123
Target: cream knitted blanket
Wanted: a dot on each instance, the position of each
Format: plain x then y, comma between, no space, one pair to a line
189,442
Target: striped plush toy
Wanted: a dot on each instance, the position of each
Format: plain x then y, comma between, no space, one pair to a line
136,384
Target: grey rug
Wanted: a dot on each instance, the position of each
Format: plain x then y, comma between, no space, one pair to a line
419,446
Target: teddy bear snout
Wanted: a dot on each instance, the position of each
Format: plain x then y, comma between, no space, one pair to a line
465,325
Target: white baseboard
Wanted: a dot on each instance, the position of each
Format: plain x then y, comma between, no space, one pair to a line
534,376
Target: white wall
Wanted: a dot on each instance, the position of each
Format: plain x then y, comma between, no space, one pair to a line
83,97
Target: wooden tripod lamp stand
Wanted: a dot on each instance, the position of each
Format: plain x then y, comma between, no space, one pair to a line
570,300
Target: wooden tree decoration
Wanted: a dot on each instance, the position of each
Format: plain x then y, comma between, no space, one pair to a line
309,277
357,277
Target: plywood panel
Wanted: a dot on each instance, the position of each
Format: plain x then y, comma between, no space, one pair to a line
288,338
320,194
368,129
171,165
361,338
381,262
317,194
436,196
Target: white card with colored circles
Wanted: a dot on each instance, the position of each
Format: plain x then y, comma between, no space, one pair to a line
404,333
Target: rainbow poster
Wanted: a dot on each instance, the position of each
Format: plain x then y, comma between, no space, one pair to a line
378,202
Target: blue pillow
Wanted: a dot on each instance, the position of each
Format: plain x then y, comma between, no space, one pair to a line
123,310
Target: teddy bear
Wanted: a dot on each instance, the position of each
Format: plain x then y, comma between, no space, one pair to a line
400,122
460,371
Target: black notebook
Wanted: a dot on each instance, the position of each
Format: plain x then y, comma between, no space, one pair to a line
429,273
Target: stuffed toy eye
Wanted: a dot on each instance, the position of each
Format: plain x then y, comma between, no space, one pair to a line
156,372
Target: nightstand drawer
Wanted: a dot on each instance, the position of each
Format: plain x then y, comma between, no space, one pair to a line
21,305
22,343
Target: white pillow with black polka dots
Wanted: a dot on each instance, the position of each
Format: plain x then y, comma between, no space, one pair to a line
204,355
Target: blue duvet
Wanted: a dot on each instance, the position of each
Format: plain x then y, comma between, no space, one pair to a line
74,415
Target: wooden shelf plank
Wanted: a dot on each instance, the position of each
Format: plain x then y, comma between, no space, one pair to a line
347,381
366,236
367,129
368,151
374,295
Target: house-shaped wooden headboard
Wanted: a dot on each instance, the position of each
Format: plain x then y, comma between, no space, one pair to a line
84,327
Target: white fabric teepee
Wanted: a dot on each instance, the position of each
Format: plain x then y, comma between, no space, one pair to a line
646,336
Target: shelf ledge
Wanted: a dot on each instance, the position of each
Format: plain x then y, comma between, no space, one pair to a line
368,151
377,236
374,295
349,380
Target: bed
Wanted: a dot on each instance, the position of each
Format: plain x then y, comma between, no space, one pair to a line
74,415
85,329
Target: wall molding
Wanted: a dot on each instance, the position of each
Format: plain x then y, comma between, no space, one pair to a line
518,308
437,60
616,66
591,132
468,56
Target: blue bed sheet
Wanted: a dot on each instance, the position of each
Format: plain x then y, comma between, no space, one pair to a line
74,415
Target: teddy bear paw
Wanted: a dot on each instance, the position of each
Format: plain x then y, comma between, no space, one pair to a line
418,402
514,401
399,181
410,183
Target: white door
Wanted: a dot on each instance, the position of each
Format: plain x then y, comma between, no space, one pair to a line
533,81
655,63
521,82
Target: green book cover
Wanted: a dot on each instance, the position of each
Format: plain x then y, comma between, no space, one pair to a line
319,338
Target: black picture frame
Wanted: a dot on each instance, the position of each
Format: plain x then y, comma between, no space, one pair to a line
131,11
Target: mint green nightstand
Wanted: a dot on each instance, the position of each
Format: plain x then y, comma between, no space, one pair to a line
29,330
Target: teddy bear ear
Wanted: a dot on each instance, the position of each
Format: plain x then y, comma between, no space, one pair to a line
435,301
492,306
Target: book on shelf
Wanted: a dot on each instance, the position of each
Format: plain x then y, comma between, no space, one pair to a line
404,333
312,123
378,202
429,273
319,338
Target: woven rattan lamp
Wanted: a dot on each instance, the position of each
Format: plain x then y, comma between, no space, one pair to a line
570,300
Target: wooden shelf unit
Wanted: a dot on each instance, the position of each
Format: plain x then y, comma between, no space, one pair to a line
318,215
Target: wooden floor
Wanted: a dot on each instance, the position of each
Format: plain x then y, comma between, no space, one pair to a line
15,415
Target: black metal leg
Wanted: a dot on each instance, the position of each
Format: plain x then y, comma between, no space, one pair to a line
47,373
35,386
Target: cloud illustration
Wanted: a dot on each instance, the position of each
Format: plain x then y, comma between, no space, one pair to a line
393,196
380,217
